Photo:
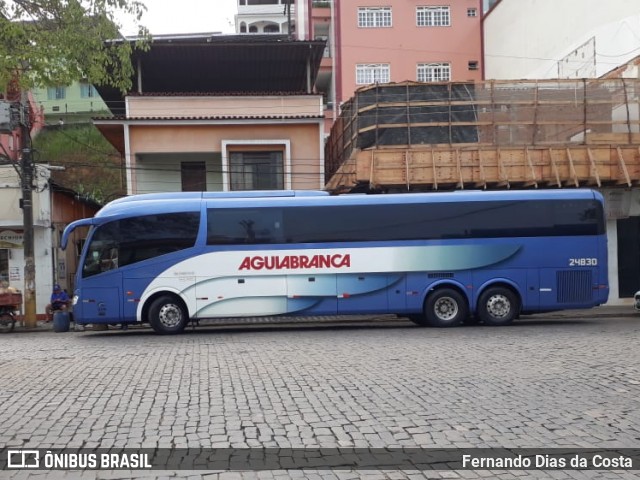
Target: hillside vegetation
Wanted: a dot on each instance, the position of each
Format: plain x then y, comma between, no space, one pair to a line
92,166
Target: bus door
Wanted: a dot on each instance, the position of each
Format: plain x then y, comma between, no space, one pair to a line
101,299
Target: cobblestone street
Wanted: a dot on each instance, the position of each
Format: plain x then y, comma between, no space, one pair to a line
541,383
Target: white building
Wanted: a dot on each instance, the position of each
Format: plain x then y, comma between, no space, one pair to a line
12,233
272,16
560,39
545,39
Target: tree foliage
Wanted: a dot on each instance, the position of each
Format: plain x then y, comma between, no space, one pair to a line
92,167
55,42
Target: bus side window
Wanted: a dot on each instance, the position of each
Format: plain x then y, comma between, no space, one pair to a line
237,226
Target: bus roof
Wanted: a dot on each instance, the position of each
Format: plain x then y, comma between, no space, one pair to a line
238,194
191,201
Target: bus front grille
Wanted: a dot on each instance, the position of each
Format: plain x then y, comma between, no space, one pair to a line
574,286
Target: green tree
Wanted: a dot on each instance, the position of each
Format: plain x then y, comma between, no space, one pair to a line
56,42
92,166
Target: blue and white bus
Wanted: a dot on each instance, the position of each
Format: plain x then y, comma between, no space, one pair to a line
437,258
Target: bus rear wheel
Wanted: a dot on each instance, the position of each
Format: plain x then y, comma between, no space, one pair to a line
498,306
445,307
167,315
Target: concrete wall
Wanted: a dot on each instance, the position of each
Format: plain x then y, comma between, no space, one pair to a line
221,106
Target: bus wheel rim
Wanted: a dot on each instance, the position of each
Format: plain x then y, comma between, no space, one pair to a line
498,306
445,308
170,315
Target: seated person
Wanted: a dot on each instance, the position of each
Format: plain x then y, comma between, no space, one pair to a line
59,301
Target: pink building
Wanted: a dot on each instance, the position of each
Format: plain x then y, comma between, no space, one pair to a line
381,41
377,41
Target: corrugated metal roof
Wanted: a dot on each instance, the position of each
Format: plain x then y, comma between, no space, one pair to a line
224,64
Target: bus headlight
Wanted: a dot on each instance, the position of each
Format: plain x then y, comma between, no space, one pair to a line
75,300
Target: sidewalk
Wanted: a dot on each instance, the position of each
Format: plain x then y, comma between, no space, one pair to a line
602,311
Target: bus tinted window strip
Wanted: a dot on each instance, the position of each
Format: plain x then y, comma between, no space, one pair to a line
411,222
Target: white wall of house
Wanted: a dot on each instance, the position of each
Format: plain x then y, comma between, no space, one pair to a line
160,172
11,231
560,39
269,13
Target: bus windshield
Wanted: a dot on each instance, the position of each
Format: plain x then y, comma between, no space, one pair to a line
123,242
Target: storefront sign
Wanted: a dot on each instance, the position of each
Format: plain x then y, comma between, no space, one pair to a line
11,239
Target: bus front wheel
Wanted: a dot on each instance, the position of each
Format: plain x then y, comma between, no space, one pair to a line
445,307
167,315
498,306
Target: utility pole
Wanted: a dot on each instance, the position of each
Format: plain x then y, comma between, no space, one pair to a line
26,166
288,7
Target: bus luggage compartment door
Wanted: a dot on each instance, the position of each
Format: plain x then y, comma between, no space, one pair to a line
364,292
312,294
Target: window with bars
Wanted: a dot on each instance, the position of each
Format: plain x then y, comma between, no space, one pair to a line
434,72
256,170
367,74
374,17
472,12
433,16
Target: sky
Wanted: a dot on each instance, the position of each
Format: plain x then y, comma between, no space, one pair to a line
186,16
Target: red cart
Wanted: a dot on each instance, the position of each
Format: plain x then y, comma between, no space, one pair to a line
9,304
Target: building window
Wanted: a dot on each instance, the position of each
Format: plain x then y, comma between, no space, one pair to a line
193,176
472,12
271,28
434,72
256,170
433,16
87,91
56,93
473,65
374,17
373,73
